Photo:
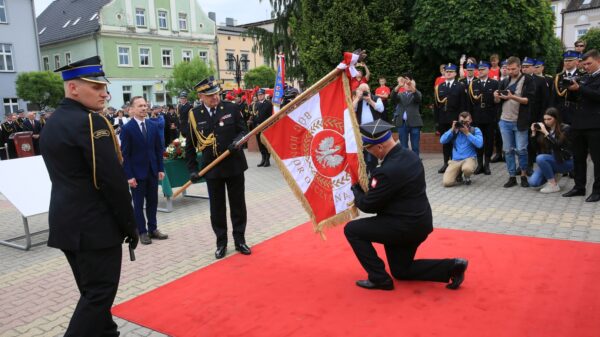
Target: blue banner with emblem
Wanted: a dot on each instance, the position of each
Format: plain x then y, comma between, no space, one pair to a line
279,89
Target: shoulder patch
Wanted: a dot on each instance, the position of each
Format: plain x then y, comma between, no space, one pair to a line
101,133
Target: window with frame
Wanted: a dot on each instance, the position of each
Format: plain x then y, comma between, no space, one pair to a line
230,62
145,57
46,63
126,93
67,58
140,17
6,57
203,56
244,62
167,58
183,21
186,55
11,105
124,55
56,62
581,31
3,12
162,19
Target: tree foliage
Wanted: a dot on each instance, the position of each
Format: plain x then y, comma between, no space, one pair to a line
187,74
43,88
263,77
592,39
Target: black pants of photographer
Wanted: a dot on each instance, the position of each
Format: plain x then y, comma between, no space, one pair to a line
584,141
97,275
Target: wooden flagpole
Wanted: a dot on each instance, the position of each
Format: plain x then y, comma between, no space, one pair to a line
303,97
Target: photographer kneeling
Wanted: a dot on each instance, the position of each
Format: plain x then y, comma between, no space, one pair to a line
465,140
555,155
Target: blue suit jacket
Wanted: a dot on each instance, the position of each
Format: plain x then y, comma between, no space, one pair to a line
141,156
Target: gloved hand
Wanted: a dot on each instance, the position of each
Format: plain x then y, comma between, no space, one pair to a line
132,239
232,148
194,177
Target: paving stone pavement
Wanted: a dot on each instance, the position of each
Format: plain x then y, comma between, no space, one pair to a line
38,293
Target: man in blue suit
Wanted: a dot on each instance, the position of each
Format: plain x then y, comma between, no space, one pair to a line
143,163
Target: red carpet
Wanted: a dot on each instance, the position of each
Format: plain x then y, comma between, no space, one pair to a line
298,285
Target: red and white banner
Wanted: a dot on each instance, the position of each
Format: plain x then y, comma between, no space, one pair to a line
317,148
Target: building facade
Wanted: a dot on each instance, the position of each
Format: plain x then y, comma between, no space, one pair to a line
139,41
578,17
18,50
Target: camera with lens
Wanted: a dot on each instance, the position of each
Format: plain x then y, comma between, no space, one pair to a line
365,93
459,125
537,127
568,80
503,92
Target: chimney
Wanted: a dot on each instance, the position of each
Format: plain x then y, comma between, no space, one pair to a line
229,22
212,16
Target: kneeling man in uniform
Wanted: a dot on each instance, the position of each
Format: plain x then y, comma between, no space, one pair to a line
403,217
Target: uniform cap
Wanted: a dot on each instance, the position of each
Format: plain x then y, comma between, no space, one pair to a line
528,61
208,86
571,55
260,92
89,69
450,67
503,63
484,64
471,66
183,94
376,132
539,63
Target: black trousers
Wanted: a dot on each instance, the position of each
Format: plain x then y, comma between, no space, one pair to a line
218,208
487,131
261,147
400,248
446,148
584,142
97,274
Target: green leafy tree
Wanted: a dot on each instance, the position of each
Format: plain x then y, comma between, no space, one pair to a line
592,39
43,88
262,76
187,74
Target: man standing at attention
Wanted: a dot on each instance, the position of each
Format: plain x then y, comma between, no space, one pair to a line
90,206
215,127
143,163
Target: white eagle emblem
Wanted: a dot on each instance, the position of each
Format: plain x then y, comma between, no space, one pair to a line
326,154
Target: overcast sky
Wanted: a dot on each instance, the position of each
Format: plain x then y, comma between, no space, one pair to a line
242,11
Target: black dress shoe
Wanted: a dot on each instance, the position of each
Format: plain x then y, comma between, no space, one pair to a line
486,170
220,252
574,193
387,285
158,235
594,197
478,170
524,182
457,274
145,239
243,248
496,158
443,168
512,181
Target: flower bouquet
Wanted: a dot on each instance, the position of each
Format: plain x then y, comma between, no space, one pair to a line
175,150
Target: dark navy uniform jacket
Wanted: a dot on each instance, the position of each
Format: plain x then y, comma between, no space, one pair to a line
84,216
397,193
227,125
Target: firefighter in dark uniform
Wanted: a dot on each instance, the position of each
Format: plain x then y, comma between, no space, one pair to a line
403,220
484,110
450,100
264,110
537,107
563,99
214,127
90,206
171,125
9,127
182,112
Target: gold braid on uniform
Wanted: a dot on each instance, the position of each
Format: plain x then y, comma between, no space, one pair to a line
560,93
115,143
203,142
472,94
437,96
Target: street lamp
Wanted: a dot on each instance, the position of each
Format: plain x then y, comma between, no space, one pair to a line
237,69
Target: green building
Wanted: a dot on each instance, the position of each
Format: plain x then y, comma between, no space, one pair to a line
139,41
